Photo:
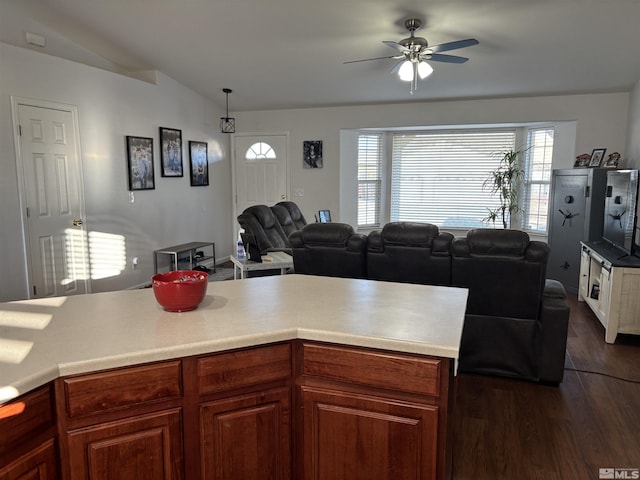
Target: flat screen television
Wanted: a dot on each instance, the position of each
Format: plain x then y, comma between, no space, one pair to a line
620,209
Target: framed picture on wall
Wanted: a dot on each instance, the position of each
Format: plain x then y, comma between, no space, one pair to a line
198,164
312,154
171,152
140,163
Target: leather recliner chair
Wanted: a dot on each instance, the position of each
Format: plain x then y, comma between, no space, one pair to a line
262,223
410,252
517,320
329,249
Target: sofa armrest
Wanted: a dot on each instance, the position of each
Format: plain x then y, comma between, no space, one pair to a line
441,246
357,243
374,242
554,325
295,239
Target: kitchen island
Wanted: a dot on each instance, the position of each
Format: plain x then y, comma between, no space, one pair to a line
313,357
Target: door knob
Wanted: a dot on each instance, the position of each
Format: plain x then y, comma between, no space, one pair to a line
77,222
283,197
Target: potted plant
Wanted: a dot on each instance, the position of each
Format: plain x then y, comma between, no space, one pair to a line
505,181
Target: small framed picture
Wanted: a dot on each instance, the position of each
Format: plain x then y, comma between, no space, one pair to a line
199,163
171,152
582,161
612,161
140,163
596,157
312,154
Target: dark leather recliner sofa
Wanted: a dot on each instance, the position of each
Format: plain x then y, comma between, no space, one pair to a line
517,320
271,226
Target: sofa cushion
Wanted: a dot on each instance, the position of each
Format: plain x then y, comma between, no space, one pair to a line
485,241
410,234
295,213
327,234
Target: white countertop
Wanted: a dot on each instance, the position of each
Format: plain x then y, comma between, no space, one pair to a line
43,339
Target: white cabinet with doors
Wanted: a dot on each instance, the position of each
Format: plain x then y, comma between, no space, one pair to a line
610,286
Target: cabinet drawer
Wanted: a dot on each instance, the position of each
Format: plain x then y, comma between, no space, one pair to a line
25,417
227,371
116,389
376,369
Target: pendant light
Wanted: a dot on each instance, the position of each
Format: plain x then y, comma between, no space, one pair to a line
227,124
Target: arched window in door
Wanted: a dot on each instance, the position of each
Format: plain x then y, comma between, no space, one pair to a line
260,151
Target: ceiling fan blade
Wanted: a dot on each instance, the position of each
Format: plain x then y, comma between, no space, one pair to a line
395,45
396,67
437,57
444,47
369,59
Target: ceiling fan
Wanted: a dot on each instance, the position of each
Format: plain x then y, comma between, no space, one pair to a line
414,51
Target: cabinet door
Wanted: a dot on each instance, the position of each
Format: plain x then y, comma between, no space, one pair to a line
361,437
147,447
39,464
247,437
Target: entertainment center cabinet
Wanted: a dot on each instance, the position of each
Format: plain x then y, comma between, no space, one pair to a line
610,286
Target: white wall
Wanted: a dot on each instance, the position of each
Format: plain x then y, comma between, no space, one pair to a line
633,142
111,106
600,122
633,139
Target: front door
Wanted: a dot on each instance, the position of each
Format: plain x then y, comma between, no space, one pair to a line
260,170
49,162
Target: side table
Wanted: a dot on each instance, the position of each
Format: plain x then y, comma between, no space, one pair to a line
187,252
280,261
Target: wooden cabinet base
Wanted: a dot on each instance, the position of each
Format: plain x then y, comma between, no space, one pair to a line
148,447
361,437
247,437
39,464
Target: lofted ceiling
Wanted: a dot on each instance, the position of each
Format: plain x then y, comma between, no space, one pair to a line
278,54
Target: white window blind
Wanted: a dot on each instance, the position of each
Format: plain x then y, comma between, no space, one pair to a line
369,179
537,180
439,177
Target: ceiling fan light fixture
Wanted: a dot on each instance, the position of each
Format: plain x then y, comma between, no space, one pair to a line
424,69
406,71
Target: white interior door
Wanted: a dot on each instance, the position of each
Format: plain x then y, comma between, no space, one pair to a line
260,170
52,190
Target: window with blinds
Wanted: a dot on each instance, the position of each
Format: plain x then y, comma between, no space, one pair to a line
369,179
537,180
439,177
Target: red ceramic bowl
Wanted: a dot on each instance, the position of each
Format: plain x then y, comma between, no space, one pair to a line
180,290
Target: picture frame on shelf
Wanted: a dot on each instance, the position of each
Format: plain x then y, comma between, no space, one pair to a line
171,152
582,161
612,161
140,163
198,163
596,157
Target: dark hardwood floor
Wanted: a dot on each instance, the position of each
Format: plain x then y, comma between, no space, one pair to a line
508,429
